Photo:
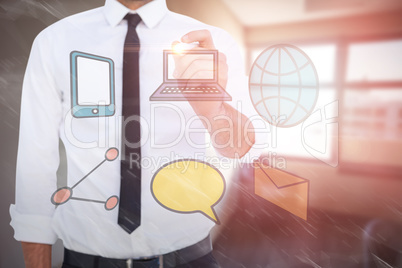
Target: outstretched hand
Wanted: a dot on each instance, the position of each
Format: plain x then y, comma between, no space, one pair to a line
231,133
200,67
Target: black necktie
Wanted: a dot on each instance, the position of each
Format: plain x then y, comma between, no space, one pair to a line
130,188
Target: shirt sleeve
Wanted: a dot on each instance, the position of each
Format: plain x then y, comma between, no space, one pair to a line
237,87
38,153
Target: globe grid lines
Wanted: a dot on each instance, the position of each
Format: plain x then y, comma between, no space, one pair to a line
254,86
262,75
282,74
285,98
284,86
279,97
300,84
279,82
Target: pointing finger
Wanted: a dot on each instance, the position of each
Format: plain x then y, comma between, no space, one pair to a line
203,37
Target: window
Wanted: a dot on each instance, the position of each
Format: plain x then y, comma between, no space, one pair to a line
370,85
375,61
372,114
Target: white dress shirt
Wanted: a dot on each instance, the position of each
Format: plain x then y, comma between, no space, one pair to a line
46,116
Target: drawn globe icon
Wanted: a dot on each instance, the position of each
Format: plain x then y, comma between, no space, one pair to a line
283,85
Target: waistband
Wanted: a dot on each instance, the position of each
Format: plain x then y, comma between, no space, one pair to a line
168,260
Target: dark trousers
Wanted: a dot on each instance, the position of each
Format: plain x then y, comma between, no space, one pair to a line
207,261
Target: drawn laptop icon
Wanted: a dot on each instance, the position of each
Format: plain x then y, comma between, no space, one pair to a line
186,88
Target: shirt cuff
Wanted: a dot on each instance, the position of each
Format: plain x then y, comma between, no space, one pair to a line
32,228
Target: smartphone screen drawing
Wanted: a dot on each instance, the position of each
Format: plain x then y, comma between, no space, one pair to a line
92,85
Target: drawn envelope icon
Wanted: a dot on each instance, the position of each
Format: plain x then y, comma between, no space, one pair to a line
281,188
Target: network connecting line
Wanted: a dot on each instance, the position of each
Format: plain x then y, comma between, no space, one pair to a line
64,194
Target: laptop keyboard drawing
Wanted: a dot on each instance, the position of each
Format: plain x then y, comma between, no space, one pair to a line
187,88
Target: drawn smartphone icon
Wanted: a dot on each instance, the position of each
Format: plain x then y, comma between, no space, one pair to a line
92,85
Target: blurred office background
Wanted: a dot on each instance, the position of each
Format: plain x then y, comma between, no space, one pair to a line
355,202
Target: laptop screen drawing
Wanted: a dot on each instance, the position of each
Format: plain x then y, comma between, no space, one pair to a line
207,58
205,88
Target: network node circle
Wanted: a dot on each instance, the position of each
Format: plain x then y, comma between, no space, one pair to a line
62,195
111,154
111,202
283,85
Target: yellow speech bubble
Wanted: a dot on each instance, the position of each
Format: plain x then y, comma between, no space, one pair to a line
189,186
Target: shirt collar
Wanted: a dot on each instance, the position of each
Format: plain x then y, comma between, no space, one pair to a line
151,13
